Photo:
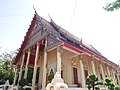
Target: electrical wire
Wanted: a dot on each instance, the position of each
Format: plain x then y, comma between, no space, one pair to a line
72,15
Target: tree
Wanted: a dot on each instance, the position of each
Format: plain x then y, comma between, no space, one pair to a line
6,69
8,56
109,83
112,6
93,81
5,73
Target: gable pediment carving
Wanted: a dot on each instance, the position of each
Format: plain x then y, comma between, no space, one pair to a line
52,41
75,61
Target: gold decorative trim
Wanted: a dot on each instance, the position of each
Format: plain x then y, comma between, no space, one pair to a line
74,62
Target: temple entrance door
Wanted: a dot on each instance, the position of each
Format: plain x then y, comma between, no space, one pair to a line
75,75
62,74
86,73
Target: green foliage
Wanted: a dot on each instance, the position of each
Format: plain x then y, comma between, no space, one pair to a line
6,72
37,75
93,81
109,83
51,76
112,6
97,88
30,75
6,68
117,88
23,82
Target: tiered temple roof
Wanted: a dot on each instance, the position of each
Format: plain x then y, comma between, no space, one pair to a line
64,36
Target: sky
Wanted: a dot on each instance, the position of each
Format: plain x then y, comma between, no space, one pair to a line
90,22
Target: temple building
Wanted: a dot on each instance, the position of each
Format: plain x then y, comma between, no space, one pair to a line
48,48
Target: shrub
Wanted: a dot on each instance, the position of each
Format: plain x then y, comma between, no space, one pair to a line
117,88
109,83
23,82
93,81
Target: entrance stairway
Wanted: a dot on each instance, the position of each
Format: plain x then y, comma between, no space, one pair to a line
75,87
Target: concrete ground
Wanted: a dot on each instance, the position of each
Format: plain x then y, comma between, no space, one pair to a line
2,87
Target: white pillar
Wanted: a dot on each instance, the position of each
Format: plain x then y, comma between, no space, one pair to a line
103,75
113,73
108,72
44,66
21,67
118,76
26,68
35,67
44,70
93,67
59,60
40,73
118,79
15,77
82,71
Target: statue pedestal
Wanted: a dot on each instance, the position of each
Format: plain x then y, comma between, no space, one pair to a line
57,83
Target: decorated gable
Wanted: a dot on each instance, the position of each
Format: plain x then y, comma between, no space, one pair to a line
37,34
52,41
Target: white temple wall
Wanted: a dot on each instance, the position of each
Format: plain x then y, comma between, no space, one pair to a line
51,61
67,66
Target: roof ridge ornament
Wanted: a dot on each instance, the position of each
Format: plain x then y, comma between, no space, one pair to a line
50,17
80,42
34,8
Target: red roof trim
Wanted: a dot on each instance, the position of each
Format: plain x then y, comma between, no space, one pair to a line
25,40
92,53
73,48
88,51
97,56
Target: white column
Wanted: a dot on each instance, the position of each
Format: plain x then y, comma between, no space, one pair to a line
21,67
118,76
44,66
93,67
26,68
15,77
40,73
108,72
82,71
118,79
59,60
35,67
103,75
113,74
44,70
